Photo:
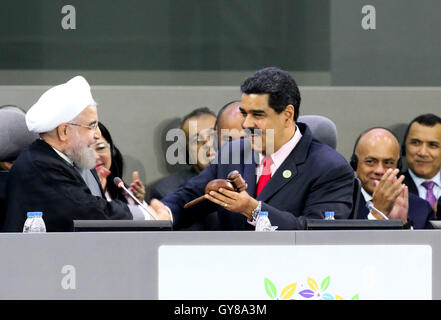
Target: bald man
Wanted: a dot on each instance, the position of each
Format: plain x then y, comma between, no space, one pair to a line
228,124
376,161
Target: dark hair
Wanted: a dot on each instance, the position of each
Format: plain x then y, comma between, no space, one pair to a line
116,167
197,113
280,86
353,161
428,119
222,110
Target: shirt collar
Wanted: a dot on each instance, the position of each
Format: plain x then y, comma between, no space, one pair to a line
418,181
280,155
367,197
64,157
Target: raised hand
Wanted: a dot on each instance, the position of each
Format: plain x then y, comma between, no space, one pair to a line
401,206
137,187
387,190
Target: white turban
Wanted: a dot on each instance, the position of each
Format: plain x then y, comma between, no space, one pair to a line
59,104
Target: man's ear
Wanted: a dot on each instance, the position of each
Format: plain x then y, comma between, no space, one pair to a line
63,131
289,114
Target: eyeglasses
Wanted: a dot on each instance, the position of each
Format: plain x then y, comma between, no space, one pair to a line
90,127
101,147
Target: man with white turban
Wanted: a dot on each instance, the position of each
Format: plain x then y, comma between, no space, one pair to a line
54,174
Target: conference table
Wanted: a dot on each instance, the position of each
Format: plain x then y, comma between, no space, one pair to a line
222,265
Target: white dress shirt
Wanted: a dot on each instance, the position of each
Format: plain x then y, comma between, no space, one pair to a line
367,197
280,155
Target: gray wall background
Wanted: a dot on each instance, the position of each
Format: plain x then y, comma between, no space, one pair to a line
403,50
138,115
150,62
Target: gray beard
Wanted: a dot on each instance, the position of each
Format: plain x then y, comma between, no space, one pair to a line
83,157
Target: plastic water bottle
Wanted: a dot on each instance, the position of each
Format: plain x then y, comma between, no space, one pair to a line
263,223
329,215
28,222
37,225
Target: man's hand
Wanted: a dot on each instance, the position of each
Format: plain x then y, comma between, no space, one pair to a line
240,202
387,191
137,187
160,210
401,206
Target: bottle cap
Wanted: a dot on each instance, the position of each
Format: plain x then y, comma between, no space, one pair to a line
35,214
329,213
263,213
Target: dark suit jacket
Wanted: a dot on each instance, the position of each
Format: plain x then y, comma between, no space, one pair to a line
313,179
420,211
41,180
3,177
170,184
408,181
196,222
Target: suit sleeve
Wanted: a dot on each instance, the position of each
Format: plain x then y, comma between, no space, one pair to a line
331,191
194,188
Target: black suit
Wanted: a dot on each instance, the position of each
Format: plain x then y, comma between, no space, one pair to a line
408,181
420,211
169,184
41,180
3,177
313,178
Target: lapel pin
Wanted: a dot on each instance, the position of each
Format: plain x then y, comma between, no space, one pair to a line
287,174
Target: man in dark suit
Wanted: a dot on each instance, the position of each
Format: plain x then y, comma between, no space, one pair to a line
289,174
375,160
422,149
53,174
198,127
201,136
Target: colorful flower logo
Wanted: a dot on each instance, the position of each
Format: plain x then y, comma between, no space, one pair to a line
313,291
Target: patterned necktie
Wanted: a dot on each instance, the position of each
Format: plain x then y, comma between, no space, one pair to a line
266,174
430,196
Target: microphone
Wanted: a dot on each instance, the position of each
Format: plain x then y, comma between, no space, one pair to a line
120,184
370,206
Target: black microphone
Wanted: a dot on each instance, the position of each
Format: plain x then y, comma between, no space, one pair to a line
120,184
370,206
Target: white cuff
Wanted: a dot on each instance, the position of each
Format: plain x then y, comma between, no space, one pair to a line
371,216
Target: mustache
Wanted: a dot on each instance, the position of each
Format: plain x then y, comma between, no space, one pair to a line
253,132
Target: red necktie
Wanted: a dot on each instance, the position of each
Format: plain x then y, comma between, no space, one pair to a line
266,174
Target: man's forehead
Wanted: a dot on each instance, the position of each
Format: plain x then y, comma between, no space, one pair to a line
254,99
425,133
376,143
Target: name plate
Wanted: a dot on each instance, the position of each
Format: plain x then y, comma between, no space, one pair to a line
328,272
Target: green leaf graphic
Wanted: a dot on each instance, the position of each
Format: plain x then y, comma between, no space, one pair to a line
325,283
356,297
270,289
